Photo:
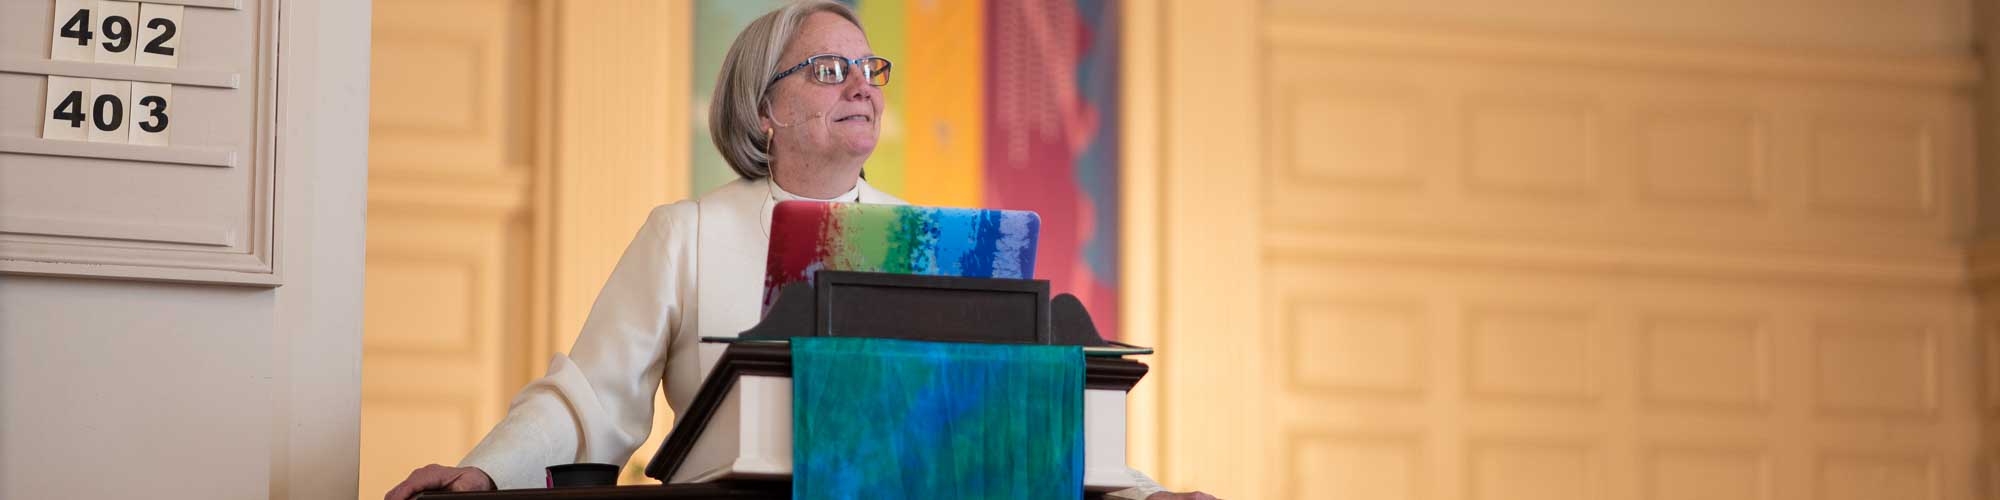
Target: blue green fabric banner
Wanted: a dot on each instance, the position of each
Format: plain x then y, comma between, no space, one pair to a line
883,418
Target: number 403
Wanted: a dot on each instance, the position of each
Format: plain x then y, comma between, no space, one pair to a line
108,111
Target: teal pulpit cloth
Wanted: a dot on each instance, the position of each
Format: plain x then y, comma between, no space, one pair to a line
882,418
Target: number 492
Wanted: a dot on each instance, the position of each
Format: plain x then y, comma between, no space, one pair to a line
118,32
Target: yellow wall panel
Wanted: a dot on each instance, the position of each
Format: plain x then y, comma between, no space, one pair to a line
1530,256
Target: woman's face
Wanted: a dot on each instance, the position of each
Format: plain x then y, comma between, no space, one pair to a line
815,124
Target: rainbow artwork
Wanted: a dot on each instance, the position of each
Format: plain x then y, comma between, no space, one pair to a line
1004,104
811,236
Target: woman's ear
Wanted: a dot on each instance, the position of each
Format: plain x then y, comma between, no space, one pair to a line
765,125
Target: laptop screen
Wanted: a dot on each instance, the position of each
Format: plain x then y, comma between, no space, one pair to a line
810,236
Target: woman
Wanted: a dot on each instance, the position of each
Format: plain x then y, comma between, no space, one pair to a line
796,112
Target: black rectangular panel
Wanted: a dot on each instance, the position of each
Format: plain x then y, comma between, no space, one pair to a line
932,308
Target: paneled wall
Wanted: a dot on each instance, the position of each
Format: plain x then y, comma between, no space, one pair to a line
1616,250
518,147
1428,250
1984,256
450,213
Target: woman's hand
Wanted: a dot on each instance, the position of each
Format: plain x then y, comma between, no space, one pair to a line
436,477
1192,495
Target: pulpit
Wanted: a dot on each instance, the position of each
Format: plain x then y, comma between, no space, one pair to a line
736,439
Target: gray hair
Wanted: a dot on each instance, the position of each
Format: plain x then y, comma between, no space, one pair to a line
746,72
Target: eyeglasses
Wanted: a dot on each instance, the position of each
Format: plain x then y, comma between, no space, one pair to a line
831,69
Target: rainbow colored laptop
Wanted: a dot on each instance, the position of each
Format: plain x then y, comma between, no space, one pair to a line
810,236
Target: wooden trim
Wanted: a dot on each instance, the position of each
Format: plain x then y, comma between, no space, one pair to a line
1211,271
1139,198
1113,374
748,490
1939,267
1983,265
736,361
540,341
1295,28
1983,251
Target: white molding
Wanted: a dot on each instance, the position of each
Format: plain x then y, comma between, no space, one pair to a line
139,273
176,76
117,255
158,155
210,4
320,203
214,236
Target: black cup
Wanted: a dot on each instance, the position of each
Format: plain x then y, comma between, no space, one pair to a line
584,474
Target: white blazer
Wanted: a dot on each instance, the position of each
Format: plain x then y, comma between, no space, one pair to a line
694,270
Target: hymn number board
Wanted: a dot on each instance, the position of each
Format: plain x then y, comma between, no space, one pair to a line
112,32
152,153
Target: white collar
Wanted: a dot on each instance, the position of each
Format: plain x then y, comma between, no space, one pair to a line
779,194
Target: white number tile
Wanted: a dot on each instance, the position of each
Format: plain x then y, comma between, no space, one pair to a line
109,111
65,112
151,113
159,35
116,27
72,18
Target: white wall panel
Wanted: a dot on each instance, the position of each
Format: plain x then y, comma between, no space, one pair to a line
98,371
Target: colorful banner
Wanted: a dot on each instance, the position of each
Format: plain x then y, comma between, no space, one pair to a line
882,418
1009,104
